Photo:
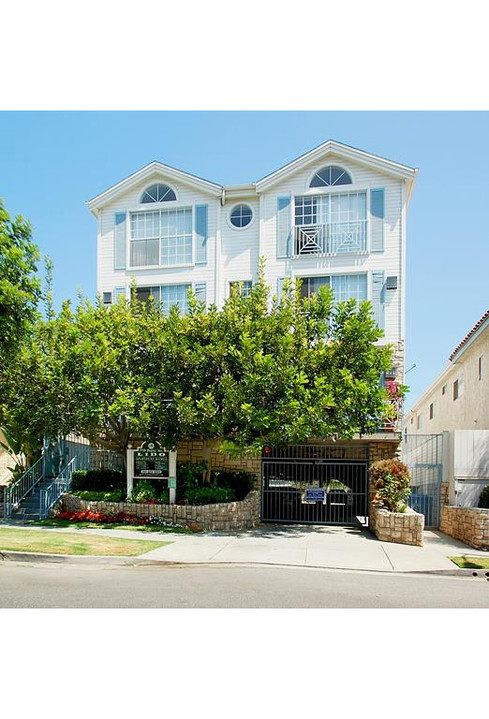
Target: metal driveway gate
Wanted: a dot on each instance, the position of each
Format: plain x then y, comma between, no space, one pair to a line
315,484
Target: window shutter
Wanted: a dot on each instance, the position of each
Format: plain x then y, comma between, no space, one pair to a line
201,234
283,227
377,212
280,287
378,298
120,241
200,290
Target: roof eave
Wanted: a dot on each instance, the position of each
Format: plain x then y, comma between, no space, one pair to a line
147,171
388,166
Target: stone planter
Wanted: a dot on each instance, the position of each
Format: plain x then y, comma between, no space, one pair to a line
400,527
208,517
468,524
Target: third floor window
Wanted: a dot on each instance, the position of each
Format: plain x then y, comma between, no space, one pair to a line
330,224
163,237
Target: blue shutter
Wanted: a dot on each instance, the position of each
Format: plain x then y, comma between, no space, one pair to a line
378,298
377,213
280,286
283,227
201,234
200,291
120,241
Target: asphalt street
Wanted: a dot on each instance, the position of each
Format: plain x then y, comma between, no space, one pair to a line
31,585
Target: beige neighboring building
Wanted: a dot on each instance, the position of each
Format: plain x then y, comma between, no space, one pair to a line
459,397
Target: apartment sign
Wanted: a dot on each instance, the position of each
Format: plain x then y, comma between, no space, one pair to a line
151,460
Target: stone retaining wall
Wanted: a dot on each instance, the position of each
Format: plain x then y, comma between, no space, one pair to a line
469,524
401,527
192,451
209,517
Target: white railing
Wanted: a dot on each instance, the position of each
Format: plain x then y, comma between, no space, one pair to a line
335,238
51,494
15,492
393,423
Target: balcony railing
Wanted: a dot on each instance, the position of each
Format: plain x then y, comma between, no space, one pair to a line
393,423
335,238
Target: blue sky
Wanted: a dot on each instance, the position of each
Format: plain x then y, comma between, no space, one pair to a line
52,162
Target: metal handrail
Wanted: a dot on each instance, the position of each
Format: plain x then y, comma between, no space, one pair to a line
59,486
14,493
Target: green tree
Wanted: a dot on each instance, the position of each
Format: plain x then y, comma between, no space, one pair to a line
19,287
256,373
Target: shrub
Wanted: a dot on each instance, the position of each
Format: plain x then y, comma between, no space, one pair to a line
210,495
189,477
98,480
390,483
240,482
143,491
118,495
484,498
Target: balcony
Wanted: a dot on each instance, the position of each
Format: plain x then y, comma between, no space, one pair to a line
393,422
336,238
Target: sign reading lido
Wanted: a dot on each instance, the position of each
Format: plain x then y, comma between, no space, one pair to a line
151,460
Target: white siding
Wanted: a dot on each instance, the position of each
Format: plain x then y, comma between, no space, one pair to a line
389,260
108,278
233,254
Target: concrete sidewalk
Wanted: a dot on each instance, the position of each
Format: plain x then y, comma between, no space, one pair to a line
296,545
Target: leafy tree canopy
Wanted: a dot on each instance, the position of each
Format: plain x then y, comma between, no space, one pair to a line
19,286
261,370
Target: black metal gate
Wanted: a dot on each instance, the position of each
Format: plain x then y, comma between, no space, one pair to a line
315,484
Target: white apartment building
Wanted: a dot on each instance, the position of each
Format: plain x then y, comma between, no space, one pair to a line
335,216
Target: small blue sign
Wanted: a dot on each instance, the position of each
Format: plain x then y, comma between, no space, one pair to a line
314,494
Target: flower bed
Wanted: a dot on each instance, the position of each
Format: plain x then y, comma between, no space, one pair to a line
209,517
390,518
118,518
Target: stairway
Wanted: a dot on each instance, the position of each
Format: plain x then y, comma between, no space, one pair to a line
29,506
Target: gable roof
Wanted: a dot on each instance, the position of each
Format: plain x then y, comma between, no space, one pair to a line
470,336
148,171
340,150
331,147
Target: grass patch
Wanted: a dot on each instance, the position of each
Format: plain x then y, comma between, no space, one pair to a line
468,562
53,522
46,542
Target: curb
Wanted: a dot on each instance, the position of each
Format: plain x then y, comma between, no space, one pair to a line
13,556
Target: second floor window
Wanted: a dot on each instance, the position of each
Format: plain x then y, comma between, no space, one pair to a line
330,224
345,287
163,237
166,296
243,286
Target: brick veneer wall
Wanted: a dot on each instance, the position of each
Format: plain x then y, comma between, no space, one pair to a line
191,451
210,517
469,524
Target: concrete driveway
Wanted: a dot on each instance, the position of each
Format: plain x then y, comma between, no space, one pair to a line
331,547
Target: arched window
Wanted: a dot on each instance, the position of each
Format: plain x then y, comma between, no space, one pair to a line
158,193
331,175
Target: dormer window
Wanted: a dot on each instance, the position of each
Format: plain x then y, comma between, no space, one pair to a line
158,193
329,176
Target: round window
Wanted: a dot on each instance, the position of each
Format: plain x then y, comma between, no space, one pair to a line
241,216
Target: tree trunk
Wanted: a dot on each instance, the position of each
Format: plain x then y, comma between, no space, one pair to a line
210,446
